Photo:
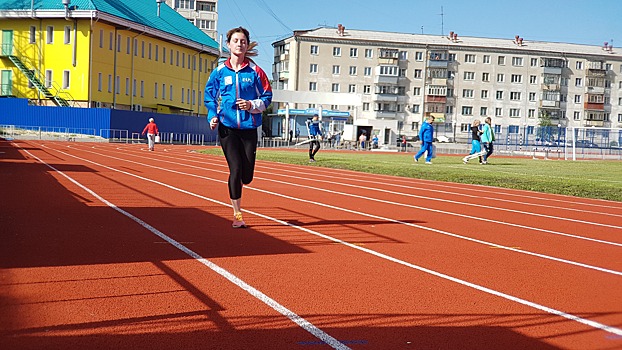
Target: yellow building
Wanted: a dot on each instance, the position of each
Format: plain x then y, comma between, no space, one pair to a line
139,55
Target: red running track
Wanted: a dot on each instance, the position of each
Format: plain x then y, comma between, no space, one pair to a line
109,246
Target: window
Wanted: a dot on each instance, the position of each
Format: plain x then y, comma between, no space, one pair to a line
418,74
366,89
50,35
164,91
534,62
99,82
109,83
486,59
127,86
335,87
155,90
352,70
531,113
415,109
352,88
314,50
514,112
142,49
354,52
403,55
517,78
485,76
467,110
577,98
110,41
170,93
515,96
367,71
67,35
119,43
467,93
157,52
184,4
206,6
66,79
313,68
499,95
469,58
312,86
337,51
117,85
366,106
465,127
369,53
483,111
579,65
336,69
501,61
48,78
402,72
206,24
533,79
620,118
417,91
517,61
484,94
532,96
500,78
578,82
134,88
33,35
469,75
418,56
498,112
577,116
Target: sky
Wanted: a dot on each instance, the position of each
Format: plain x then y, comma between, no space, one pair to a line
568,21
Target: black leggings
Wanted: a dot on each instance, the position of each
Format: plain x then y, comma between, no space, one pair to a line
314,146
239,147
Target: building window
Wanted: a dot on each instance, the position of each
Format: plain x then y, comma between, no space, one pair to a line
155,90
534,62
577,98
578,82
469,75
99,82
501,61
164,54
312,86
484,94
467,93
354,52
111,41
33,35
469,58
50,35
499,95
369,53
119,43
48,78
467,110
367,71
486,59
415,109
517,61
533,79
336,69
157,52
486,77
577,116
109,83
417,91
498,112
206,24
164,91
170,93
532,96
337,51
483,111
403,55
579,65
531,113
142,49
206,6
515,96
367,89
514,112
127,86
184,4
67,35
352,70
335,87
517,78
134,88
366,106
352,88
314,50
117,85
500,78
313,68
418,73
419,56
66,79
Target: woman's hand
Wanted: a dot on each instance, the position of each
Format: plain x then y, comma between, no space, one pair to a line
213,123
243,104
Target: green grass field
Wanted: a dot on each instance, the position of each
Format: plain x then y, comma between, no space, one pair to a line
590,179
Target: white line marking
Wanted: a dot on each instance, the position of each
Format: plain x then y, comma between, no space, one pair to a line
306,325
594,324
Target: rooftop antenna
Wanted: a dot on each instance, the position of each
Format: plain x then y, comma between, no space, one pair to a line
442,21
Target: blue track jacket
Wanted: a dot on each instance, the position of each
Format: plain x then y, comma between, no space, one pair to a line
249,83
426,134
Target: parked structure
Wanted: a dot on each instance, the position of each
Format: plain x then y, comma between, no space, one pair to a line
201,13
403,78
139,56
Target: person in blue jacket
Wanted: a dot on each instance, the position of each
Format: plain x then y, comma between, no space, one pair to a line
244,91
488,136
315,133
426,135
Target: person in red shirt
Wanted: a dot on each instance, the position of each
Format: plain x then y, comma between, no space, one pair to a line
152,130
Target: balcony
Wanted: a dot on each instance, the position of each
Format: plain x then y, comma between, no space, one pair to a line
284,75
385,114
436,81
553,70
594,106
384,97
596,90
551,87
435,99
437,64
549,104
596,123
386,79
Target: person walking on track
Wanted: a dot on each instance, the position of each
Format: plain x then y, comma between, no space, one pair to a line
476,147
152,131
426,135
244,91
315,134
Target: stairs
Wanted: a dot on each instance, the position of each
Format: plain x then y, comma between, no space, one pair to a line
34,80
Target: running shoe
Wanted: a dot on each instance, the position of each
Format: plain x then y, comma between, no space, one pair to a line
238,222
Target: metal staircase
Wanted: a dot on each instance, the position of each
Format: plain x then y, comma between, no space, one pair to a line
34,80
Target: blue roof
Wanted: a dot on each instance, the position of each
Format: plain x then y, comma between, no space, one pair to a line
143,12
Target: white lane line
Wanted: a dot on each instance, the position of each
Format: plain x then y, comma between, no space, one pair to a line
306,325
590,323
381,201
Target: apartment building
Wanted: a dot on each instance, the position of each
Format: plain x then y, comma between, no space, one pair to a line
201,13
402,78
141,56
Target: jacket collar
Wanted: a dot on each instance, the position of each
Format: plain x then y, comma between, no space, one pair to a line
245,63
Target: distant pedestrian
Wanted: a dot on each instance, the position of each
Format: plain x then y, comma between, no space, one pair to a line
363,141
315,135
374,141
152,131
426,135
476,147
487,138
404,143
